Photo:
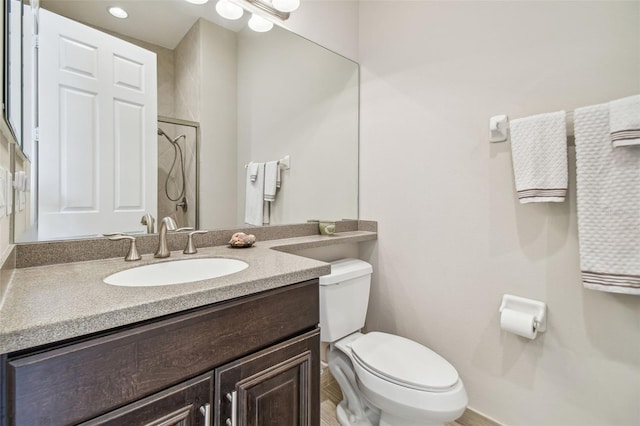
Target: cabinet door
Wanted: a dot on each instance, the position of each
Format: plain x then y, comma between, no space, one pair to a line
278,386
187,404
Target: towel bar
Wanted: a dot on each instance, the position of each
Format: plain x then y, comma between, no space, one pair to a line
284,163
499,126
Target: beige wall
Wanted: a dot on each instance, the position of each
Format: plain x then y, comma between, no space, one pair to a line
205,92
5,164
330,23
187,76
218,125
453,237
311,96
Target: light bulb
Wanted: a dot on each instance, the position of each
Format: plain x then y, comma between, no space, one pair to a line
259,24
118,12
197,1
286,5
229,10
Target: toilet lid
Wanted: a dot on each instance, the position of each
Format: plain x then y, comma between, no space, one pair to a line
404,362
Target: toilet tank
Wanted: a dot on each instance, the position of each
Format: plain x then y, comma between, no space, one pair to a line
344,297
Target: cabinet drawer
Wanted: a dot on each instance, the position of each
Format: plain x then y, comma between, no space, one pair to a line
78,382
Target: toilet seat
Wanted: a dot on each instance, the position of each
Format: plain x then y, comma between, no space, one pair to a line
403,362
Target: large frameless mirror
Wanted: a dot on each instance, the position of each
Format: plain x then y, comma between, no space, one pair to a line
168,112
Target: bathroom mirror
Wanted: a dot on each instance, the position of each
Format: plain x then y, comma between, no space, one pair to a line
227,97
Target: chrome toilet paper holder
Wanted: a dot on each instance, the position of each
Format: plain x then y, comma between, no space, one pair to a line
529,306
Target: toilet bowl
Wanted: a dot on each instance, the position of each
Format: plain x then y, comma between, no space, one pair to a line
385,379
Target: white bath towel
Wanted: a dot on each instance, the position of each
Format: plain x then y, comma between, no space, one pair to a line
254,196
270,180
608,187
539,152
266,213
624,121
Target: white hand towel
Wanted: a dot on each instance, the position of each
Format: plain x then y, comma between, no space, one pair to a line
539,152
608,186
270,180
254,196
624,121
253,171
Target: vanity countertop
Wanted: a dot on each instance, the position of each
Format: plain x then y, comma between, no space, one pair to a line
47,304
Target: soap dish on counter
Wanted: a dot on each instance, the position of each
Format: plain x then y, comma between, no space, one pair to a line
242,240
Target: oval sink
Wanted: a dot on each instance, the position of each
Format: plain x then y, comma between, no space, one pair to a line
176,272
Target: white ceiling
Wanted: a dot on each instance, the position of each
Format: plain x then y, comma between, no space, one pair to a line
161,22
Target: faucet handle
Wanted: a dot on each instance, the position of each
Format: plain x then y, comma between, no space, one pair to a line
149,221
191,247
186,228
133,253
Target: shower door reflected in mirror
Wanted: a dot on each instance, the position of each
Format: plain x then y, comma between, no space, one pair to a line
178,142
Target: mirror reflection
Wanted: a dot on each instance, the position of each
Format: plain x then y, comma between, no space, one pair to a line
179,113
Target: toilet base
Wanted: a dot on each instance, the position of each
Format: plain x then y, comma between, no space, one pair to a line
346,419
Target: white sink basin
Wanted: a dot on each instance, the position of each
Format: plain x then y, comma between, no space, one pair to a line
176,272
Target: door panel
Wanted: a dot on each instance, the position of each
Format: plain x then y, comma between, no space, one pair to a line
277,397
278,386
78,168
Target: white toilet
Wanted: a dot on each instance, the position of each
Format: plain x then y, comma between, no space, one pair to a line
385,379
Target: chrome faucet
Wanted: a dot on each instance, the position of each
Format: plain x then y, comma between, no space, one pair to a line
148,220
166,224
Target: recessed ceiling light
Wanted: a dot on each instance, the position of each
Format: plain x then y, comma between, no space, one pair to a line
197,1
118,12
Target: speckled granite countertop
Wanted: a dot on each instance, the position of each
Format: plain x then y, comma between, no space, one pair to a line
46,304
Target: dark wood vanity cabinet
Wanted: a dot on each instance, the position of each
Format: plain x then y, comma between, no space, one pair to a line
256,357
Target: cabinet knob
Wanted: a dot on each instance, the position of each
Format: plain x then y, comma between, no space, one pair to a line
206,412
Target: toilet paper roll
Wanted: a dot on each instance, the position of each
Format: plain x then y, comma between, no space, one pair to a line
519,323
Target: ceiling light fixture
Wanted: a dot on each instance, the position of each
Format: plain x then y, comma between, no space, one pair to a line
286,5
229,10
260,25
198,1
264,8
118,12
